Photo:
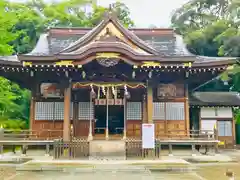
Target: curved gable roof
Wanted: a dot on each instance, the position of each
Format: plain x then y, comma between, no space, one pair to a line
110,23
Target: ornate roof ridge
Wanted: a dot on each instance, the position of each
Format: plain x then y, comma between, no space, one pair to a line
110,18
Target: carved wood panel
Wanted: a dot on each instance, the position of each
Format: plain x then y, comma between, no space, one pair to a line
169,91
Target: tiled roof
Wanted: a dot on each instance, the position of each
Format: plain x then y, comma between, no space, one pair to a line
169,45
215,99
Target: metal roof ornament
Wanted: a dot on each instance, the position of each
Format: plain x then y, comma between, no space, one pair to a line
110,13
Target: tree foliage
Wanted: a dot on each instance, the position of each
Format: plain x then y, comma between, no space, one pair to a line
20,27
210,27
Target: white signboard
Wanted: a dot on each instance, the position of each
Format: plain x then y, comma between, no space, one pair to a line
148,136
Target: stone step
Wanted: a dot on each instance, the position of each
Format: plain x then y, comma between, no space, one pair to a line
107,150
106,158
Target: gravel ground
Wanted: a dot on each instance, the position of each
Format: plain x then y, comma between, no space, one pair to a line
203,172
6,173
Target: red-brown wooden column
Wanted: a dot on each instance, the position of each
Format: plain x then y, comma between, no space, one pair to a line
66,121
34,90
149,104
32,112
144,110
187,120
150,109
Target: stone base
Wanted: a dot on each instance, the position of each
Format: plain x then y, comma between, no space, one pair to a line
107,150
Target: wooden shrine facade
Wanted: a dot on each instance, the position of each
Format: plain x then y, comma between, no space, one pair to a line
147,72
144,103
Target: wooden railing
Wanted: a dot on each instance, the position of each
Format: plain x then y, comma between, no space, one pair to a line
31,135
192,134
45,134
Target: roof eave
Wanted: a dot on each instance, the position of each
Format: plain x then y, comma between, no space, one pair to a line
36,57
214,63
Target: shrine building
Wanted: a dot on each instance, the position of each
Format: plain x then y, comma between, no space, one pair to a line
104,82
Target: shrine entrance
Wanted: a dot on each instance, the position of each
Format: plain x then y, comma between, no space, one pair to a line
100,119
116,119
109,118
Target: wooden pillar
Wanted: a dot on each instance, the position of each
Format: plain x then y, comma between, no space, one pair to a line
34,91
149,104
125,118
186,107
107,114
234,129
144,110
66,121
32,112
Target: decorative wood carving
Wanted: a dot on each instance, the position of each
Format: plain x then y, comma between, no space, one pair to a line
167,90
170,91
51,90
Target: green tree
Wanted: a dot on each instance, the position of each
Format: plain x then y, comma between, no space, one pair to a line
20,27
120,9
36,16
210,27
7,21
13,105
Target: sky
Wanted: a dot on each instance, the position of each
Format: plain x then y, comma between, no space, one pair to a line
147,12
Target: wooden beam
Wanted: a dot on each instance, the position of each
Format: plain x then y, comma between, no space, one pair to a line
66,121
